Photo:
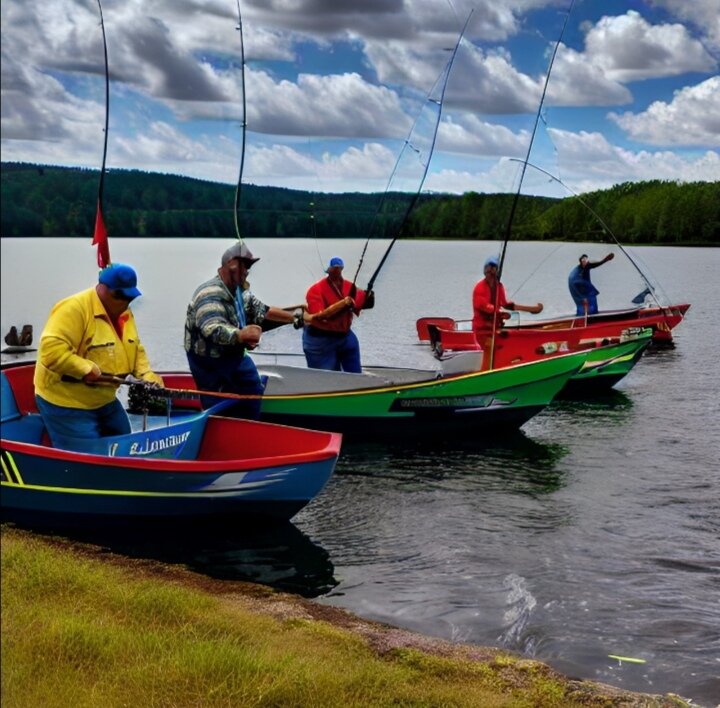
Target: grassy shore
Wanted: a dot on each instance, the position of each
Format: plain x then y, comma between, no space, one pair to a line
86,628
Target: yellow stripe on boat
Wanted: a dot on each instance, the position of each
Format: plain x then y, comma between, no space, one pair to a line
10,469
249,487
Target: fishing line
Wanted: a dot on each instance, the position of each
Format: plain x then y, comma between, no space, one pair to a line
605,227
438,103
516,197
540,265
532,140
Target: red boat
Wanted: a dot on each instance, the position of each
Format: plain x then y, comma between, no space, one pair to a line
445,334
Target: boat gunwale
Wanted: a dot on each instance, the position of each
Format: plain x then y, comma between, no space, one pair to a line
438,380
197,466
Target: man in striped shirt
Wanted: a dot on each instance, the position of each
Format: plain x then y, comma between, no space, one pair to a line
223,322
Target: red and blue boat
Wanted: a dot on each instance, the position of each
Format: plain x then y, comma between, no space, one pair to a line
457,335
190,465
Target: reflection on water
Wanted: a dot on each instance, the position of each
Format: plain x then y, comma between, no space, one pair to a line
278,555
610,400
584,417
515,461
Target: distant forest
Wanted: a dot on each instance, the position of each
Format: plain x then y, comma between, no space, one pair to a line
39,200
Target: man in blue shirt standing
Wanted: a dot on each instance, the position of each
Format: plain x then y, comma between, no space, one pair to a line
583,292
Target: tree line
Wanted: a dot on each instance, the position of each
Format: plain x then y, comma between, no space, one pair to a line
50,201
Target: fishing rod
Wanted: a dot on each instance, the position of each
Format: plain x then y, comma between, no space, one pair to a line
647,282
516,198
160,391
532,140
442,79
100,238
238,189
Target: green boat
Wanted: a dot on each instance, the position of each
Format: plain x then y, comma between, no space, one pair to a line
609,358
607,365
388,401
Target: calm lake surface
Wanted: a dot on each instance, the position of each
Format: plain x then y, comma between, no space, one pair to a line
593,531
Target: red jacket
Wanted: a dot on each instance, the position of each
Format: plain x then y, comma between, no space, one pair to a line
484,307
323,294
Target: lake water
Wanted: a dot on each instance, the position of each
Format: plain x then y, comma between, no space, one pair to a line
593,531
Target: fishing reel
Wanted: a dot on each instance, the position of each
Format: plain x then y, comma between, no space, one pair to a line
143,399
298,320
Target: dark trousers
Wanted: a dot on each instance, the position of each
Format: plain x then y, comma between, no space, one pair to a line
228,375
63,423
332,351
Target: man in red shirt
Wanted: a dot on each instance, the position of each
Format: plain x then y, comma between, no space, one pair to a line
490,305
328,341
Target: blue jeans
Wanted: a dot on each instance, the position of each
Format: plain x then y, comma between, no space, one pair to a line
331,352
228,375
63,422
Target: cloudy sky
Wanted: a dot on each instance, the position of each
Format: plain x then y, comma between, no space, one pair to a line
333,88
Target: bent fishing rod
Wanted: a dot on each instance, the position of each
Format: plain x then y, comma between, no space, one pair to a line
236,207
100,234
443,80
516,198
606,228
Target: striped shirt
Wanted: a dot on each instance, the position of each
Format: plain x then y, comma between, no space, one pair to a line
212,321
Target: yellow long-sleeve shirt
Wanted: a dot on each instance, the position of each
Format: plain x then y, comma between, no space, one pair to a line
78,333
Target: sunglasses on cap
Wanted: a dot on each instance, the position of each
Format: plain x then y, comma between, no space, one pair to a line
246,263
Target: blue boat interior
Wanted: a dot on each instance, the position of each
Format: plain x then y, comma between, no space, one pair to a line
29,427
8,406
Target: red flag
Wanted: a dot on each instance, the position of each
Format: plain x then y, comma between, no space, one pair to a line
100,240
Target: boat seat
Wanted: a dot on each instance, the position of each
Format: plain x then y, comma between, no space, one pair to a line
8,406
28,429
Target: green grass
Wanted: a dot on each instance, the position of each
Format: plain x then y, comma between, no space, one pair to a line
78,631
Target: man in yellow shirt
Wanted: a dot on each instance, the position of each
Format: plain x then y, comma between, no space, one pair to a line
87,335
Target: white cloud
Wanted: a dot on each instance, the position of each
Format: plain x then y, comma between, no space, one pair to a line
691,118
176,101
336,105
703,14
577,80
489,83
468,135
589,162
629,48
493,181
366,168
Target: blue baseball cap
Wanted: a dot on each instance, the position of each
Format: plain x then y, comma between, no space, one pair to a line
335,262
119,276
492,260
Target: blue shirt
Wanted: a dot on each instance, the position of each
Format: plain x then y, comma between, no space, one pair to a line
579,283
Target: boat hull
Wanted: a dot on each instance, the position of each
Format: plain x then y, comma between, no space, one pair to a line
39,483
232,468
606,367
384,402
458,336
607,362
